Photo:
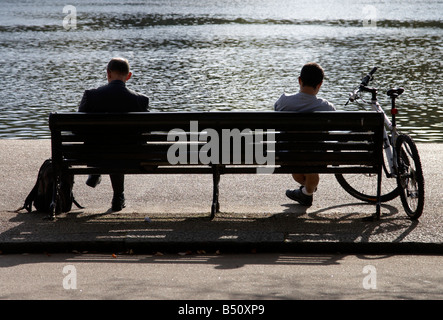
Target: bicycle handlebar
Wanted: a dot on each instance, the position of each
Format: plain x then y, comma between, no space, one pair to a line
368,77
363,84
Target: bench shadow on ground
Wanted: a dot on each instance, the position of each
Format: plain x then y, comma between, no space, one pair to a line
188,235
334,223
327,224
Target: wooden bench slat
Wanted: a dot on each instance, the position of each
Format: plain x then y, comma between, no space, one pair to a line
138,143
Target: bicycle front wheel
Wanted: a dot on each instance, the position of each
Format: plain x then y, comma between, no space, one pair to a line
410,177
364,186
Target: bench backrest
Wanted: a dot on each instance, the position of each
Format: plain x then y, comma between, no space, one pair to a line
171,142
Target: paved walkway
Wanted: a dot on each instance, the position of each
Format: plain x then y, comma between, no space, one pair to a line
169,213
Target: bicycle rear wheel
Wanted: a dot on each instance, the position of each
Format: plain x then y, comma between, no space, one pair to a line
364,186
410,177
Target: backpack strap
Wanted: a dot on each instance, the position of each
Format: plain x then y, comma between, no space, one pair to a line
29,199
76,203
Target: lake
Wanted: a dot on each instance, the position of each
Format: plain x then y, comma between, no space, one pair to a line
194,55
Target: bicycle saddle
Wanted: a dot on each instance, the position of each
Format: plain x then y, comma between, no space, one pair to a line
395,92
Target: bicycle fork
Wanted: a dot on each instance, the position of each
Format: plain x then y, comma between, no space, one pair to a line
388,144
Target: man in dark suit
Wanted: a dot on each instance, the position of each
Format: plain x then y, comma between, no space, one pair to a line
114,97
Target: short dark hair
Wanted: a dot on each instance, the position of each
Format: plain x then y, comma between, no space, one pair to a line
312,74
119,65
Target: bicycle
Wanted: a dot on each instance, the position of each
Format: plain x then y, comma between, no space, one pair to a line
403,174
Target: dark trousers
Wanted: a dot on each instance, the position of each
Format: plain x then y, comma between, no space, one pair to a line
118,183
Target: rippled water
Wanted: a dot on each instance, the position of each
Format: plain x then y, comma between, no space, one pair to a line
219,55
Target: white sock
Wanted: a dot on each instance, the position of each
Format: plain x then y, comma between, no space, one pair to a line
306,191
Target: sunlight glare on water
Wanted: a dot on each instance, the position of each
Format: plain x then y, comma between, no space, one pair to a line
219,55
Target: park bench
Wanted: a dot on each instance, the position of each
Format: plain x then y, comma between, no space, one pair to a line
216,143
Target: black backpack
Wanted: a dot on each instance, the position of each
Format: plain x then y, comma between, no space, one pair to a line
41,194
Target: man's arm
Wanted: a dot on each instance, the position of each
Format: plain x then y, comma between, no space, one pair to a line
83,103
143,103
277,104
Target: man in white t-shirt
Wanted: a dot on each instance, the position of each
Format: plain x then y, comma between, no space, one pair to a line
310,81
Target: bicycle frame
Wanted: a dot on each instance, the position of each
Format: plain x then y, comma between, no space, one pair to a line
389,146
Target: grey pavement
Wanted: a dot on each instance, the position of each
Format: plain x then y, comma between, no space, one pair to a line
239,278
169,213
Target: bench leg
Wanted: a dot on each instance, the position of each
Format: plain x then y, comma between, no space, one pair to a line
378,206
216,180
376,215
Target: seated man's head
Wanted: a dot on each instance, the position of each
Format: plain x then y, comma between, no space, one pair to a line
311,78
118,69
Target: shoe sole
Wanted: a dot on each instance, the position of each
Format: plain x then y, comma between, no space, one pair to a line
299,201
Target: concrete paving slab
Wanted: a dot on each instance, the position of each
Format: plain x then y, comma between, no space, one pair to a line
170,213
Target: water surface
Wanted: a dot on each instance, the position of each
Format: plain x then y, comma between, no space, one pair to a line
195,55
